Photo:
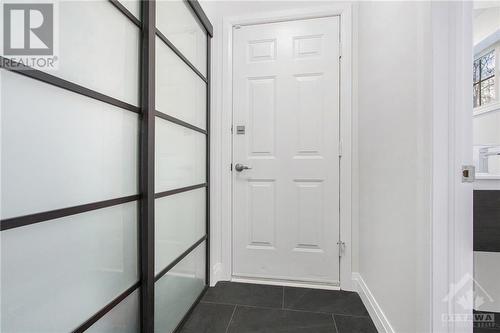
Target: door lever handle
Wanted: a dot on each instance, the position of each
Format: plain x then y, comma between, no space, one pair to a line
240,167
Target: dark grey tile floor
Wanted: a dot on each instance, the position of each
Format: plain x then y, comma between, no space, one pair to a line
482,326
243,308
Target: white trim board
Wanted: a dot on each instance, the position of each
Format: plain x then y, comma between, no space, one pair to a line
376,314
485,109
224,269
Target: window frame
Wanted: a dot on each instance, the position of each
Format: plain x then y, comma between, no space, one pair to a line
494,104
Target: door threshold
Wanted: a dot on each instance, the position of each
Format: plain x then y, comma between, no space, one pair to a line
285,283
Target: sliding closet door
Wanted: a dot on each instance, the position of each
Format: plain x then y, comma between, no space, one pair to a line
181,175
104,172
69,179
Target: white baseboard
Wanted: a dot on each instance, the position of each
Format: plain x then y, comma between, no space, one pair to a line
286,283
217,274
379,319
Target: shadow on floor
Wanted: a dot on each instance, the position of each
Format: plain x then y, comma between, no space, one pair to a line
242,308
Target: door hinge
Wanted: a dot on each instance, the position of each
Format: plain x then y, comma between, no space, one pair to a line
231,167
340,50
341,245
340,148
231,129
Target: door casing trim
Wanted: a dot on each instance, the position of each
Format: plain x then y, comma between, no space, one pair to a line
222,268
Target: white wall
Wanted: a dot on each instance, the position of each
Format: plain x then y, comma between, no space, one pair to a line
487,128
393,159
486,21
392,169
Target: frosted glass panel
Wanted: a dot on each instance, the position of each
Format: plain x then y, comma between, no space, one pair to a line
180,156
57,274
123,318
61,149
176,291
99,49
179,91
179,24
179,223
133,6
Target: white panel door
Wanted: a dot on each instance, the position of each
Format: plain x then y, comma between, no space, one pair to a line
286,95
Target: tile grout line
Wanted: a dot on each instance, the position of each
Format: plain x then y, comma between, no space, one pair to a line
283,300
284,309
250,306
352,316
231,319
335,324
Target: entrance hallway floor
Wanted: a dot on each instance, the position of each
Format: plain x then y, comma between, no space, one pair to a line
243,308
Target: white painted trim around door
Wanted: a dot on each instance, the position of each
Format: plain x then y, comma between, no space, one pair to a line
222,270
452,224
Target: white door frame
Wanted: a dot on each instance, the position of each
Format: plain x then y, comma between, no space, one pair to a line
452,222
224,272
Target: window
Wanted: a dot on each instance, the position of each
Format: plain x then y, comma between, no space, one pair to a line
484,79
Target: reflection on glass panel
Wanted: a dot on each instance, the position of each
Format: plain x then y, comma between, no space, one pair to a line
487,91
133,6
179,91
475,70
57,274
123,318
179,223
488,65
58,148
475,94
179,156
179,24
99,49
176,291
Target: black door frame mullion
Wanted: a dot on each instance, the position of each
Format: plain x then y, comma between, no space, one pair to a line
207,156
200,14
179,54
126,12
147,167
147,163
32,73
